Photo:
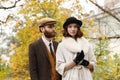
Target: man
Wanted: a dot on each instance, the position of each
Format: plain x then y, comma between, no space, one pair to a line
42,53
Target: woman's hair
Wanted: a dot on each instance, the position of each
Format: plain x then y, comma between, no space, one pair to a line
78,35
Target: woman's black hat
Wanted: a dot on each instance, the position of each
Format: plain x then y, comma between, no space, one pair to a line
72,20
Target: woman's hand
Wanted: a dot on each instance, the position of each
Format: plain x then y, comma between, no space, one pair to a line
79,57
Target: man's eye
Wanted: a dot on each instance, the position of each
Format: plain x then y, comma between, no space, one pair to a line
51,26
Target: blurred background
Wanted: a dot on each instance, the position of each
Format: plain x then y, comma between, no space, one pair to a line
19,27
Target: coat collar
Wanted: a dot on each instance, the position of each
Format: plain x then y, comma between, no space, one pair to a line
75,45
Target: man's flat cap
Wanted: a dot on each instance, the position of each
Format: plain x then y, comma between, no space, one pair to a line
45,21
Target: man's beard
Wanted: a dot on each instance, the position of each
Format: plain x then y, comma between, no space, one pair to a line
49,34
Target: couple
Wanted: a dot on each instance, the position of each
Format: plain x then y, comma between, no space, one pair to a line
71,59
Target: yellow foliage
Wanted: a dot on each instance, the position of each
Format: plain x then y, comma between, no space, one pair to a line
13,46
94,29
19,61
101,36
89,22
59,1
85,31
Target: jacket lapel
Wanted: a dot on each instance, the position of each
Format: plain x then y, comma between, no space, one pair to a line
55,46
44,48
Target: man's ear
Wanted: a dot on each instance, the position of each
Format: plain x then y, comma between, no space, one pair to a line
41,29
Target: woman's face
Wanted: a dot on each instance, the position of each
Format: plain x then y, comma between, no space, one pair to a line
72,29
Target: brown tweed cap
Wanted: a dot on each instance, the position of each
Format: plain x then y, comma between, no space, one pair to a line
45,21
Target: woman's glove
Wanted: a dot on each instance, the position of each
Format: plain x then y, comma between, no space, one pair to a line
84,62
79,57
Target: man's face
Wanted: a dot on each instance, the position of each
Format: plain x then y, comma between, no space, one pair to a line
49,30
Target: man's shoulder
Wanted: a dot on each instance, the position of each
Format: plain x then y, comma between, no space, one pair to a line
35,42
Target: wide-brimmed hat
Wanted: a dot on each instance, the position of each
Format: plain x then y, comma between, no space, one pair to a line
45,21
72,20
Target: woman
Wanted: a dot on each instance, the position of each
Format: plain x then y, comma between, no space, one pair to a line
75,59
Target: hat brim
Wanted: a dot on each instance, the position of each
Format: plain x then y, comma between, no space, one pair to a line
72,21
52,22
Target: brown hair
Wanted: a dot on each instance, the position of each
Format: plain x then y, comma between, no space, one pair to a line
78,35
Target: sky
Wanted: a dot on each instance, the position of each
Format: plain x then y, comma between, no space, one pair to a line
87,6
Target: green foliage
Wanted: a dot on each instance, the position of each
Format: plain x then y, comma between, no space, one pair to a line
4,73
108,67
4,70
102,49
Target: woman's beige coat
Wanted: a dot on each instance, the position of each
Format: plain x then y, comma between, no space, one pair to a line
66,52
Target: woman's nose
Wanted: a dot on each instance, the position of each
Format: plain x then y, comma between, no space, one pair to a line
73,28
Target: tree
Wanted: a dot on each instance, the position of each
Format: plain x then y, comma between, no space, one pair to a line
106,11
33,11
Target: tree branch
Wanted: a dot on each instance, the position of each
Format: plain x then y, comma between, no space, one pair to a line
5,20
44,10
2,7
106,11
112,37
54,12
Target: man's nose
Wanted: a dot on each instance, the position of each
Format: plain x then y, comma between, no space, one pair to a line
53,28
